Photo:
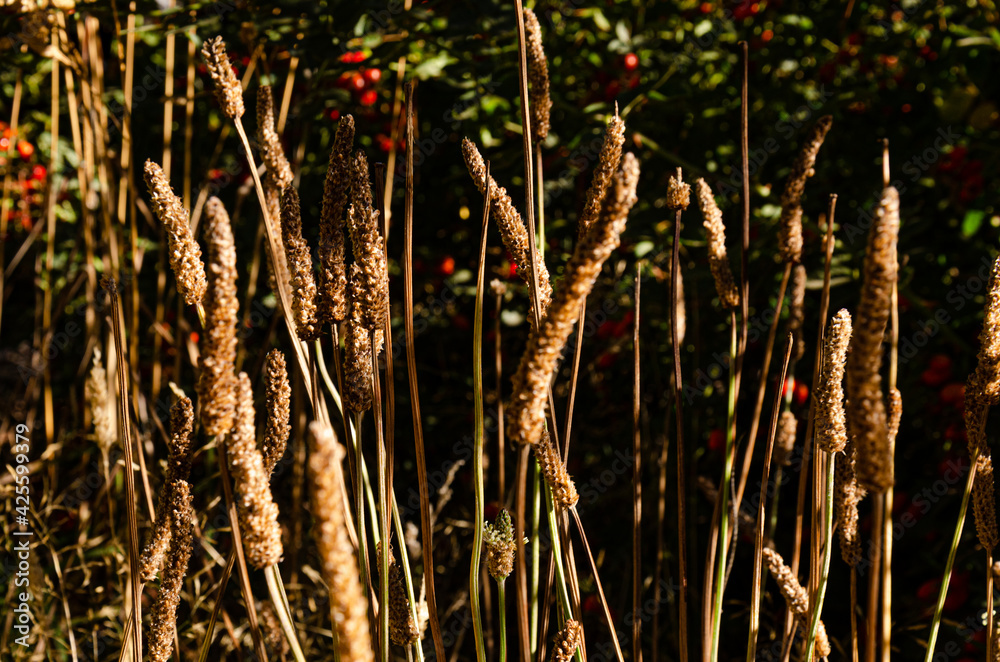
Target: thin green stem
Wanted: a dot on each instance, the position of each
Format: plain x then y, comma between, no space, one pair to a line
558,556
404,560
535,554
282,608
720,568
817,603
943,593
503,622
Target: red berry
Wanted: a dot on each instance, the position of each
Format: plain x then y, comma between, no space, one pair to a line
194,337
801,394
631,62
25,149
368,98
940,362
953,394
384,142
39,172
446,266
767,36
373,75
705,8
335,115
716,440
358,82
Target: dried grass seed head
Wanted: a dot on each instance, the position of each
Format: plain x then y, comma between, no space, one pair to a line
402,628
358,378
272,153
185,255
790,227
164,617
678,192
846,496
984,501
277,396
512,229
608,163
866,414
545,343
369,251
102,408
348,603
539,101
257,511
796,311
988,366
795,596
216,384
564,493
300,266
785,441
831,422
567,641
500,546
227,87
336,192
718,261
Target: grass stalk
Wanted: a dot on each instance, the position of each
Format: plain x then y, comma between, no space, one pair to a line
723,498
283,610
536,512
758,551
477,389
817,601
636,480
503,621
600,586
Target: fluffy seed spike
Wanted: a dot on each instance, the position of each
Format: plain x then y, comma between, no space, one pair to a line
185,255
795,596
984,502
257,511
336,189
718,261
831,424
678,192
847,494
866,414
358,382
790,228
161,629
348,604
539,100
785,441
102,410
796,310
563,489
545,344
178,470
216,385
271,150
567,641
227,88
823,648
987,373
299,265
369,254
607,165
512,229
500,546
277,395
402,627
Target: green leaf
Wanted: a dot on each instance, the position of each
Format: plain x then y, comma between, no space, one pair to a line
973,219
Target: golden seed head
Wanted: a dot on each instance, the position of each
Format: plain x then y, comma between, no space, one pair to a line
607,165
512,229
545,343
831,423
784,443
718,261
216,385
796,310
369,250
270,627
227,87
277,395
339,563
823,648
336,190
402,628
790,228
272,197
300,266
567,641
795,596
678,192
500,546
358,378
102,409
164,617
846,495
866,415
976,411
257,511
539,101
271,151
988,367
185,255
564,493
984,501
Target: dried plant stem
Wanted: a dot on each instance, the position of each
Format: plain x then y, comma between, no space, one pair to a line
723,498
887,535
817,601
758,551
675,270
383,511
125,438
557,554
479,432
283,609
536,508
600,586
636,479
426,526
503,622
762,384
878,513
